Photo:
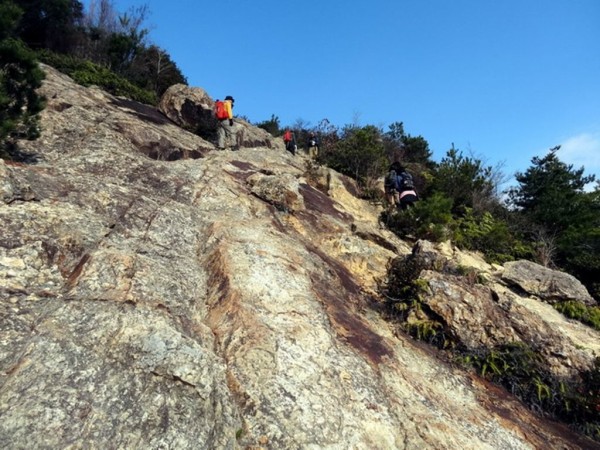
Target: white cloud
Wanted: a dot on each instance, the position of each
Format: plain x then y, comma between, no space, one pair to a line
582,150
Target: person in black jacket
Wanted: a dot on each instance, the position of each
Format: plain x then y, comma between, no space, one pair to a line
399,187
405,187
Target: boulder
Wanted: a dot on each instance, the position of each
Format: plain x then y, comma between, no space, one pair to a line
547,284
249,136
189,107
193,109
485,317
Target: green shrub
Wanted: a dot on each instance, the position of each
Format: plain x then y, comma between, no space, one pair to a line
467,181
428,219
490,236
402,291
87,73
579,252
359,154
523,372
590,315
20,104
272,126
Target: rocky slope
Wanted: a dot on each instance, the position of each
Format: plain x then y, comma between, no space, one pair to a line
156,293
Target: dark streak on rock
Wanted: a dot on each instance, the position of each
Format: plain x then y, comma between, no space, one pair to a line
372,237
245,166
350,186
74,275
338,305
143,112
316,201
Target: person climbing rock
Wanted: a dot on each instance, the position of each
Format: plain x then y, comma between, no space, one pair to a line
399,187
227,134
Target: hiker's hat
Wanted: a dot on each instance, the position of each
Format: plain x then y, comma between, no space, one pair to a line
229,97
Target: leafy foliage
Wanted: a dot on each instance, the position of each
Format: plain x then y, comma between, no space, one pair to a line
272,126
551,197
359,154
153,70
10,15
430,219
87,73
112,40
523,372
466,181
404,147
402,291
589,315
59,30
19,78
491,236
551,193
50,24
460,202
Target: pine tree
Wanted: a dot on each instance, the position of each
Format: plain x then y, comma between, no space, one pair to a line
551,198
20,76
551,193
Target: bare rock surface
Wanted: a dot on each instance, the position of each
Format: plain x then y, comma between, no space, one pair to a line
152,300
547,284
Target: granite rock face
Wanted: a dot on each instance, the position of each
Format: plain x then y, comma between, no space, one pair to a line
155,293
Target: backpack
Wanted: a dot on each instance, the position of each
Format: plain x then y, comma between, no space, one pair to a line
407,182
287,136
389,181
220,110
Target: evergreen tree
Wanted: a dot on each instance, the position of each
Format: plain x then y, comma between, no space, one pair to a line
359,153
406,148
154,70
20,76
551,197
50,24
550,193
466,181
272,126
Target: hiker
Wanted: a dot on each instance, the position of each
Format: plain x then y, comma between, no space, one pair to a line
406,188
226,133
399,187
290,141
313,147
392,196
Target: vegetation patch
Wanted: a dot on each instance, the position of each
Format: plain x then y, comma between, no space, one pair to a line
87,73
590,315
403,291
516,366
522,371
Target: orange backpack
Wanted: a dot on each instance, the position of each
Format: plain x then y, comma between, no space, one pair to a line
221,110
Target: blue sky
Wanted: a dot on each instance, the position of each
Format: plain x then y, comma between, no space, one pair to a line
504,80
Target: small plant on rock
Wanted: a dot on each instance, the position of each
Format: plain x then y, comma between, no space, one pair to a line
590,315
